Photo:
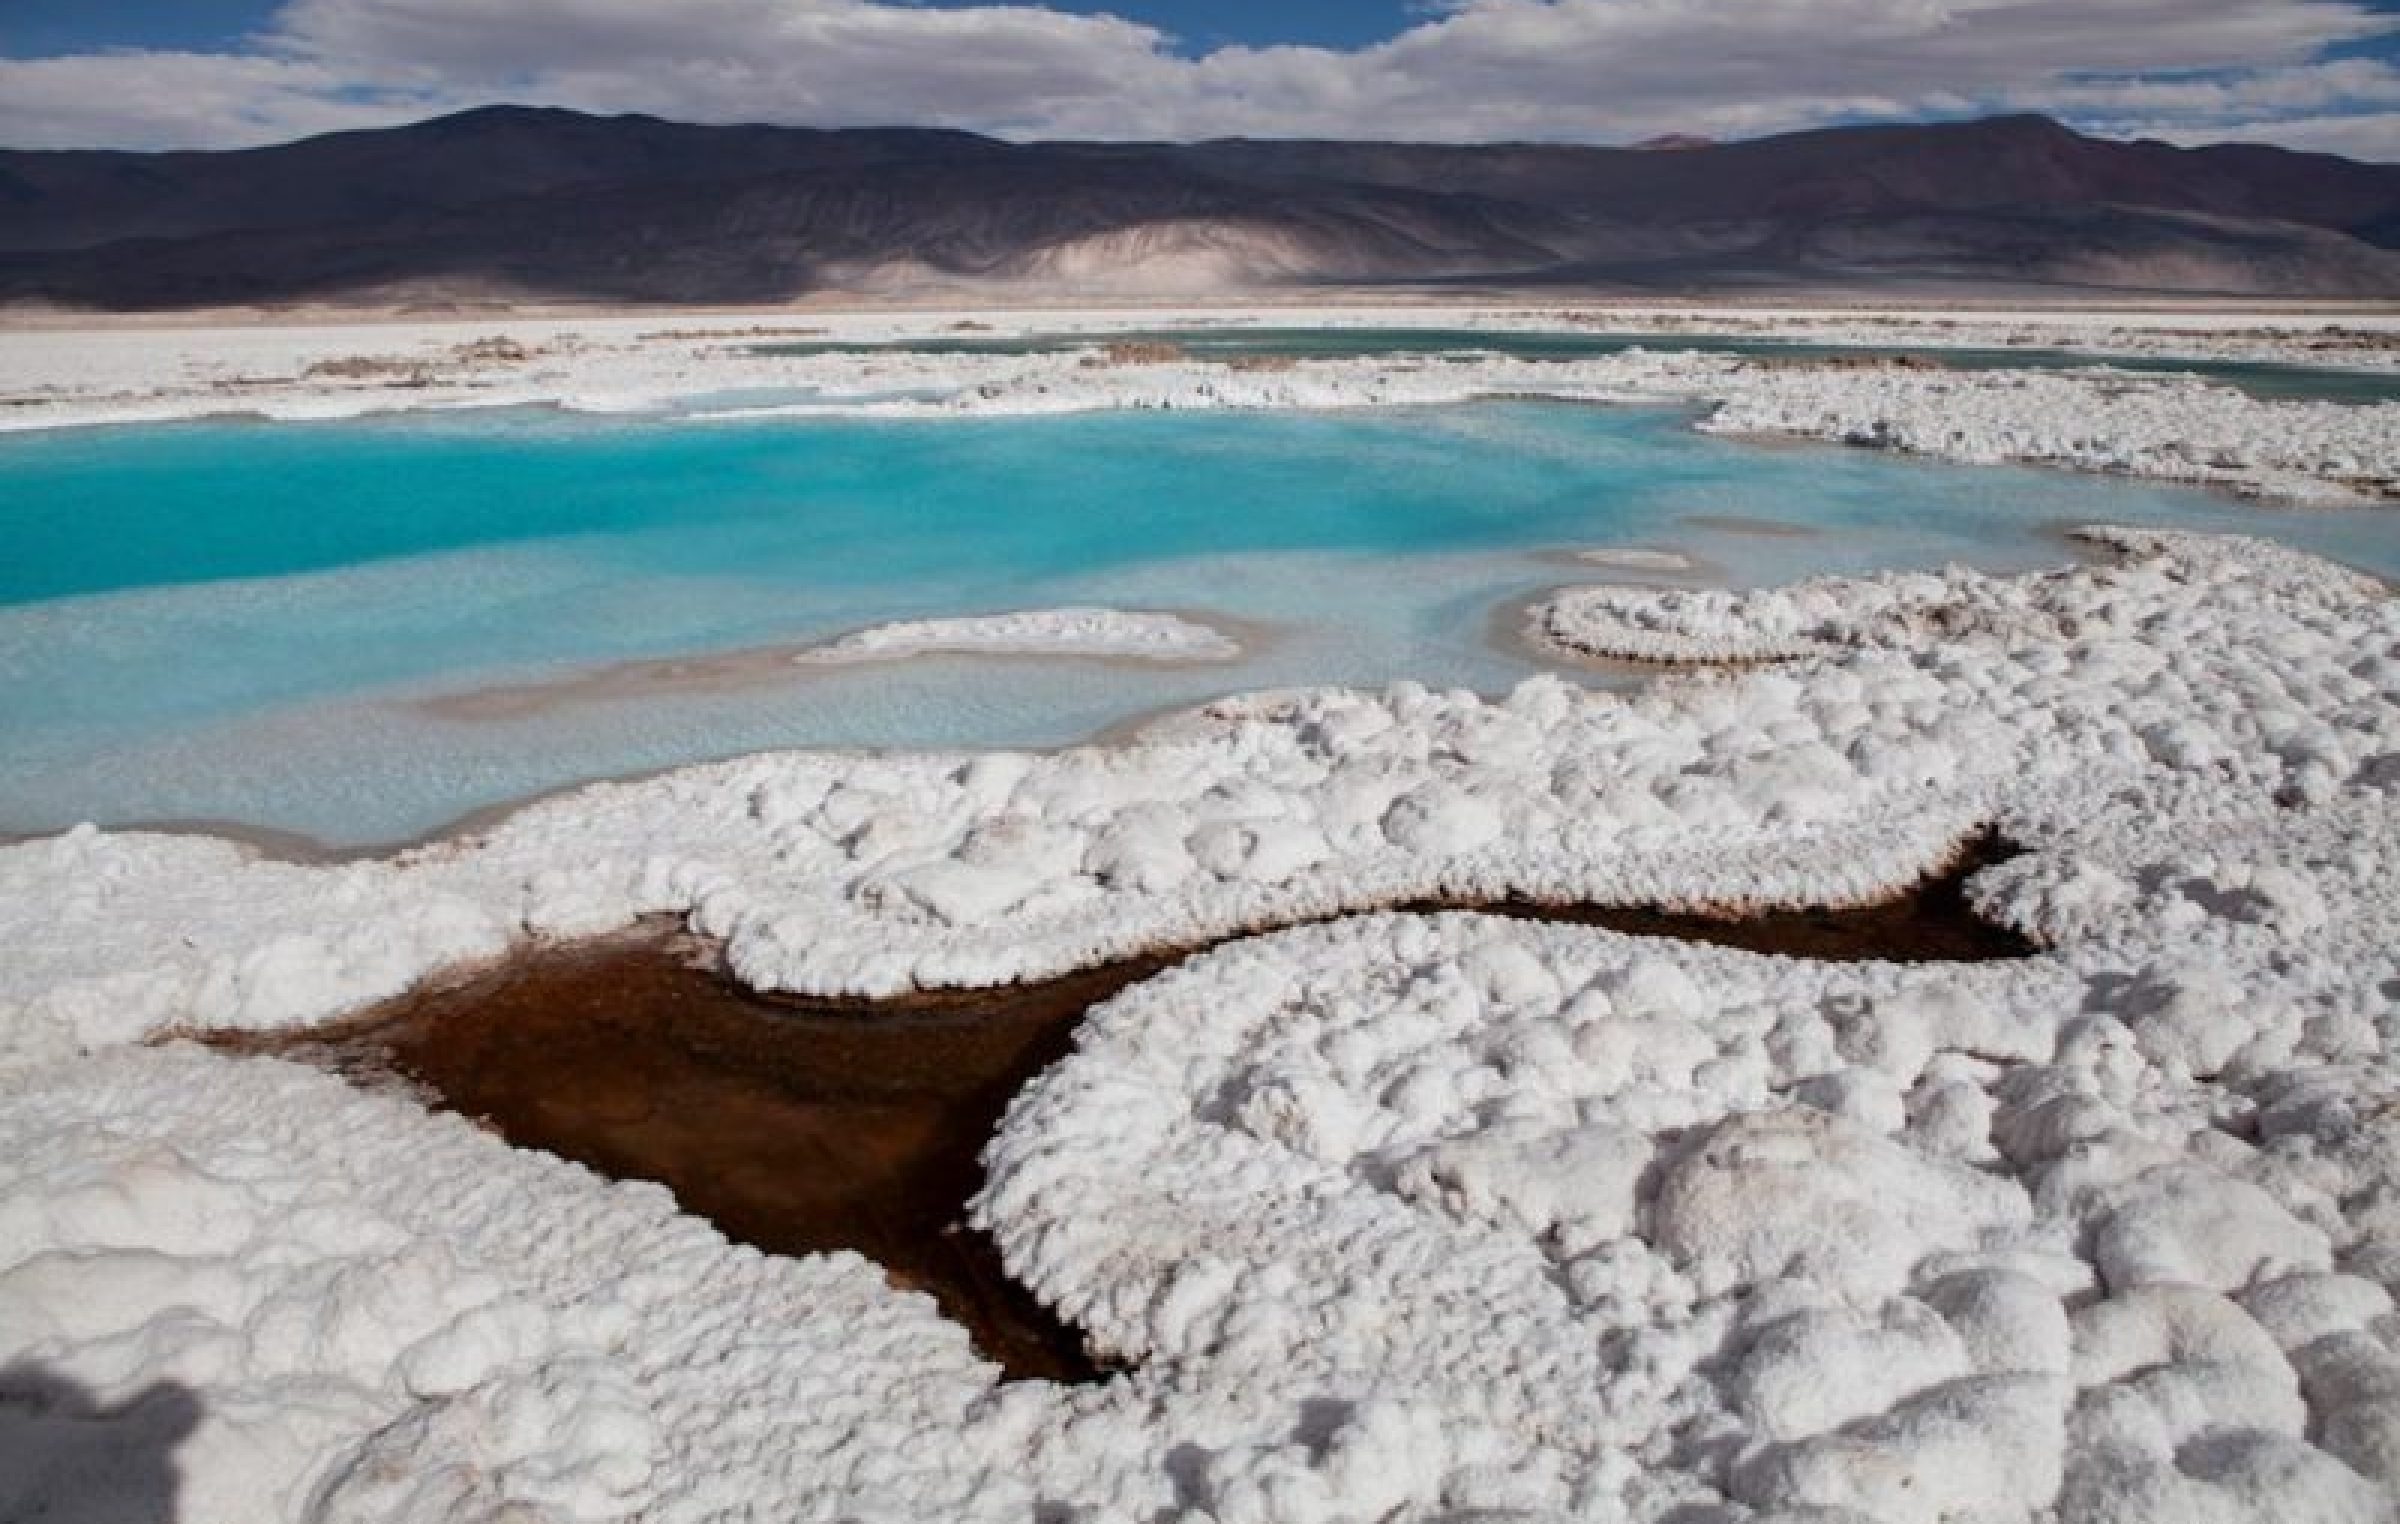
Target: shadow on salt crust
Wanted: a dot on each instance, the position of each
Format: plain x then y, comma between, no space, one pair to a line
66,1457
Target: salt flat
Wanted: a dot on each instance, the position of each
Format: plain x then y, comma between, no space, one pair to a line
1394,1216
2165,427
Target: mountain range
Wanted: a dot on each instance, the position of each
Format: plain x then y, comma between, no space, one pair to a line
533,204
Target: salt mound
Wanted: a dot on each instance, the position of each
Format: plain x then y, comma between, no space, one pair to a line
1085,632
1802,1192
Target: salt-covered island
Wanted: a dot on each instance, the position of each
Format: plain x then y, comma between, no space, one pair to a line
1117,634
1403,1178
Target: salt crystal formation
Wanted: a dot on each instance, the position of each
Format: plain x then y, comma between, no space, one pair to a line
2173,428
1113,633
1396,1217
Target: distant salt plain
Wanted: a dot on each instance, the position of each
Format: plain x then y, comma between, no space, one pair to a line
287,626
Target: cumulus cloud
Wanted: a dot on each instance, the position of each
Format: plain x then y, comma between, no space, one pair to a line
1585,70
184,100
2357,135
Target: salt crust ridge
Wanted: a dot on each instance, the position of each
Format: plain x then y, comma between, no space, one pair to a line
1820,617
2174,429
1404,1217
1116,633
2167,427
2171,428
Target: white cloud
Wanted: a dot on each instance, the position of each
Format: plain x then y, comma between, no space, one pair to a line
181,100
2254,92
1593,70
2357,135
844,60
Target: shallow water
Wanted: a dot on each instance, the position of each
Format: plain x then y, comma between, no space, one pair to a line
245,622
2259,378
811,1124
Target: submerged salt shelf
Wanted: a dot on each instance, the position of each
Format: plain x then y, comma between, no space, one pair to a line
361,631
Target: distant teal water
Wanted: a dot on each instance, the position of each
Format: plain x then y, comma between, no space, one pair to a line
238,621
816,505
2259,378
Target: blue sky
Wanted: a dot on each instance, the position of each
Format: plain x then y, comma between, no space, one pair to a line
2318,74
36,28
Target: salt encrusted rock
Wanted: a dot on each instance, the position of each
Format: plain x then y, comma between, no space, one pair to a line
1143,851
2190,1017
1360,1460
1952,1120
2192,1225
961,893
2301,1309
1798,1191
2230,1477
1815,1371
2353,1386
2007,1321
1865,1096
1954,1452
1575,1188
1440,820
2152,1327
1621,1051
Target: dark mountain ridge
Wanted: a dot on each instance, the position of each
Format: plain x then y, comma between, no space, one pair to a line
513,203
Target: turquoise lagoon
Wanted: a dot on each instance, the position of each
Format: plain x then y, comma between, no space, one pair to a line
269,624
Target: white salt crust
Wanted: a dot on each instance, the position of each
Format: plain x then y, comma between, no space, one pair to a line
2175,429
1401,1217
2168,427
1092,632
1815,618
